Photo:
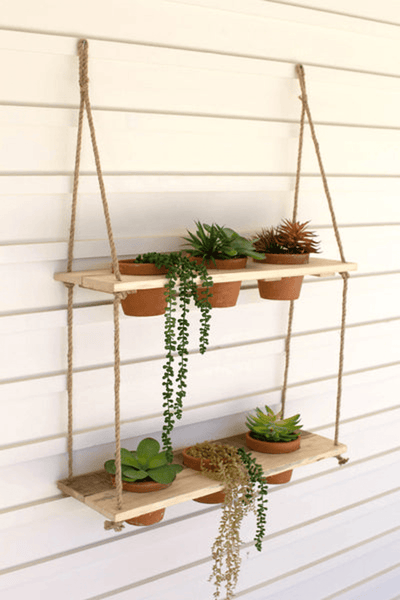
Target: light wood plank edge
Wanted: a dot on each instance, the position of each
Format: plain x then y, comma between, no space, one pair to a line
104,281
105,502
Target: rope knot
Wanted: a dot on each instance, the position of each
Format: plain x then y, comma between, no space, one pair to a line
123,295
342,460
113,525
69,285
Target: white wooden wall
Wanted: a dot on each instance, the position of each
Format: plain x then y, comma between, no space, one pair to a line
196,109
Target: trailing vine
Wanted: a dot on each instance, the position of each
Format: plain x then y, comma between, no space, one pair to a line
180,289
241,476
257,477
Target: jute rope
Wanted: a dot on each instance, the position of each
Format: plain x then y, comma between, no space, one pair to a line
345,276
85,104
117,386
291,306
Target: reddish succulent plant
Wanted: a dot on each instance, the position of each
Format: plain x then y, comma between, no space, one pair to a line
290,237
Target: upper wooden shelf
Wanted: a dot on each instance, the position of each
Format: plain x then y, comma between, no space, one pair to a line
103,280
95,489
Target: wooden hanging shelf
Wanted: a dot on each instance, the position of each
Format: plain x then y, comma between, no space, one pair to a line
95,489
103,280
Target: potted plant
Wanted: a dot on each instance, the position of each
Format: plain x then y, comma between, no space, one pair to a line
180,289
175,266
220,248
145,469
272,435
242,477
289,243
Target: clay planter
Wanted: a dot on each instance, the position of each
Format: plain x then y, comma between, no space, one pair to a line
274,448
287,288
224,295
143,303
194,463
143,487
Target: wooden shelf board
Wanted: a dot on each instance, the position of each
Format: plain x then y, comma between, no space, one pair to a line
95,489
103,280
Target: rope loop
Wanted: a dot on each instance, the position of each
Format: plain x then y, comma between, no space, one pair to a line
83,66
305,111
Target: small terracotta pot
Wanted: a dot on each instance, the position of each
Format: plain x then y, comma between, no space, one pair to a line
142,487
143,303
274,448
224,295
195,463
287,288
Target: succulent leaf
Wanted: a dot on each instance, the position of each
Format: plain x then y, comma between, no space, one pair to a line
268,426
165,474
129,458
214,241
131,474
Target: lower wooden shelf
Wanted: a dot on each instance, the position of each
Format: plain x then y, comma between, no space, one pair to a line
95,489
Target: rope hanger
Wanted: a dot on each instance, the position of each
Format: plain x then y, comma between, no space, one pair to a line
86,107
305,110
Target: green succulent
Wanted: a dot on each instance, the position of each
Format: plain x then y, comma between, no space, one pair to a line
212,242
269,427
145,462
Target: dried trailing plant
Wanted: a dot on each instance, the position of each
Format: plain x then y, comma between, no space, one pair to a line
242,477
145,463
180,288
212,242
269,427
290,237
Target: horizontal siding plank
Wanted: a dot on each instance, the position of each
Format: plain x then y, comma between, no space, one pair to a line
333,574
383,585
43,140
387,11
131,211
272,35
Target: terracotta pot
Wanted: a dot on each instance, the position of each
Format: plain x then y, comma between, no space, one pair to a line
195,463
143,303
287,288
224,295
274,448
142,487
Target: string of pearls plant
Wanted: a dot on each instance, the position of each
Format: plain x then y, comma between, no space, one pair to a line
242,478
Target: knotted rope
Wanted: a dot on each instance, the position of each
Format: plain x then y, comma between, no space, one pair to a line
113,525
306,111
85,105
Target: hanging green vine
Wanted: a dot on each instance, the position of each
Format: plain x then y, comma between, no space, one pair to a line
180,289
